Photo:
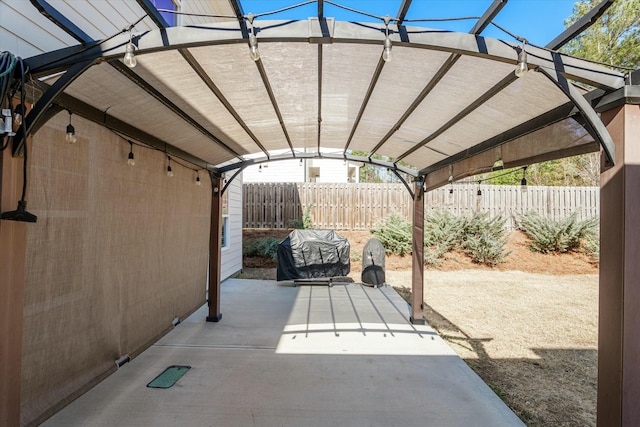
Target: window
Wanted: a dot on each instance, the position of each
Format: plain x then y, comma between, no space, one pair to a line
314,174
171,18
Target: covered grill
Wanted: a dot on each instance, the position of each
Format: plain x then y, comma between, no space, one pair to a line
307,254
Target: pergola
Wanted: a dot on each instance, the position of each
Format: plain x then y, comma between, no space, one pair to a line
445,106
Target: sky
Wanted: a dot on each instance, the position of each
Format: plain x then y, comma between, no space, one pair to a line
539,21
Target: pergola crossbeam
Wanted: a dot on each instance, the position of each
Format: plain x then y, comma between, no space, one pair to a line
488,16
197,68
94,115
497,88
442,71
155,93
152,12
580,25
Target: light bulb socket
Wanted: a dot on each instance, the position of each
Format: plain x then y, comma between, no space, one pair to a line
523,182
479,193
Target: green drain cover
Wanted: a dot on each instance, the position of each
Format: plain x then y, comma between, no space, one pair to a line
169,377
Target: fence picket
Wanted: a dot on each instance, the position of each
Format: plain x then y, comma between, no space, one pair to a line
362,206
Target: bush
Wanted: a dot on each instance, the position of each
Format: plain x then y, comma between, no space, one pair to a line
266,247
394,234
480,237
564,235
306,222
483,238
441,234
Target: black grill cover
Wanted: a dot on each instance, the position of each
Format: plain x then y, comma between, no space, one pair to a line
373,263
307,254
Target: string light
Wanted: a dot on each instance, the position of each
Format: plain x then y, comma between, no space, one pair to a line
522,68
169,170
131,161
129,55
253,40
71,137
18,114
386,53
523,181
198,182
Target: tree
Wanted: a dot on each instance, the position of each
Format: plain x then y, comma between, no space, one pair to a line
615,40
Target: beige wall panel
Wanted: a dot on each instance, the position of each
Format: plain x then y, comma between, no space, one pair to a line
117,253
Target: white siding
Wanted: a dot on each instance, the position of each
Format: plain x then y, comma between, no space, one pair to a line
331,171
232,254
211,7
280,171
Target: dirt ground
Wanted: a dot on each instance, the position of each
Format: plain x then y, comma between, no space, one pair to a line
520,258
527,327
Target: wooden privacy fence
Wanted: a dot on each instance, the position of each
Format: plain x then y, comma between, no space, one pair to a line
363,206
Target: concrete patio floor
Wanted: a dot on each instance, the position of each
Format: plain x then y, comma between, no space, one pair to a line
296,356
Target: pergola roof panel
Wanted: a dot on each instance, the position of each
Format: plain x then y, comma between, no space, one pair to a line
292,71
344,84
399,84
169,73
104,88
238,78
525,97
466,81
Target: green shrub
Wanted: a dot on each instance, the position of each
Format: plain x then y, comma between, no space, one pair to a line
266,247
564,235
394,234
306,222
486,248
591,245
483,238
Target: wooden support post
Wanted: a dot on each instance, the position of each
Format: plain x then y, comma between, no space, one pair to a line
215,249
619,316
417,257
13,249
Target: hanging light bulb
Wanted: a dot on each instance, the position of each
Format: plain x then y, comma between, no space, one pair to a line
300,162
521,67
198,182
129,55
523,181
260,168
253,40
131,161
169,170
71,137
479,193
253,45
386,53
18,114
